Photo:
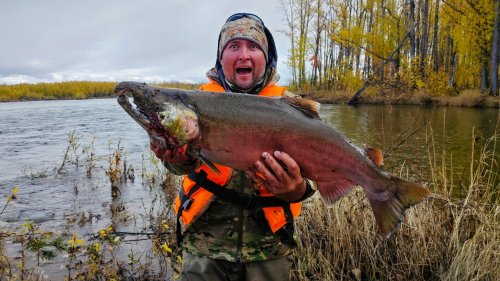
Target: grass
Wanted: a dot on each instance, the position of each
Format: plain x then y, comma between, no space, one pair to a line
69,90
381,95
444,238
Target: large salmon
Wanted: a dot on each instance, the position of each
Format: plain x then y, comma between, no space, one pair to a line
234,129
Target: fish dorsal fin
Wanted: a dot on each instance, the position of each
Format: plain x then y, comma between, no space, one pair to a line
308,107
375,155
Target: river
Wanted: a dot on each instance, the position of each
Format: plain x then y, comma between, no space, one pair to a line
34,137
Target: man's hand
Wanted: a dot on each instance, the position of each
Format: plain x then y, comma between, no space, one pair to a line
280,175
176,156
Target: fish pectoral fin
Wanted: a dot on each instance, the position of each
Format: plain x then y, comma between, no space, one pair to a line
209,164
308,107
332,191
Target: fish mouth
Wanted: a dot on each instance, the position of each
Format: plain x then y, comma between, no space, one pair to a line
145,111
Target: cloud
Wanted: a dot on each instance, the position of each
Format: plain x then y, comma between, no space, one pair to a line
151,40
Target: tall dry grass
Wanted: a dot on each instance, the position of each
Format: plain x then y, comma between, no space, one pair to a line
443,238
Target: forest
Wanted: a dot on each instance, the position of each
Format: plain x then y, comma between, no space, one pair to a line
442,52
440,46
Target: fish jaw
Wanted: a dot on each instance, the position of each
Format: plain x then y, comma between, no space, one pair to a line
149,104
140,118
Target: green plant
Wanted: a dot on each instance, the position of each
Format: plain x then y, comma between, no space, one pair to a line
73,248
90,161
114,171
41,242
10,197
72,153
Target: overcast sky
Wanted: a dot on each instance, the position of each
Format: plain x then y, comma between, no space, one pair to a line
115,40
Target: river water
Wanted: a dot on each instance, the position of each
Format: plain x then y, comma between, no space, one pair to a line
34,137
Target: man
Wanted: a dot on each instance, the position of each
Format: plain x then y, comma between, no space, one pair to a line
238,225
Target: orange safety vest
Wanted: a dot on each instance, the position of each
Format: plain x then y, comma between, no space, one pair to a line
200,199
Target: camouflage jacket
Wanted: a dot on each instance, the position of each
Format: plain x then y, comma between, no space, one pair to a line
228,231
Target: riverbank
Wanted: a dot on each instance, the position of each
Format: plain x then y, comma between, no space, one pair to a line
68,90
372,95
467,98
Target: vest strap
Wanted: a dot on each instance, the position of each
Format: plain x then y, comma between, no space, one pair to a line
236,197
186,202
285,234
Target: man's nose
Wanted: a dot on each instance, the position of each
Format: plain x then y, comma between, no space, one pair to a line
244,53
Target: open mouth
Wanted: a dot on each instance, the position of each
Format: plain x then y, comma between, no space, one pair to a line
244,70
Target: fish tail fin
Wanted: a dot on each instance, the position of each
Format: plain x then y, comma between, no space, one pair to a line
389,213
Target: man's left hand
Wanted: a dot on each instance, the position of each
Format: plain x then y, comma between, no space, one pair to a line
280,175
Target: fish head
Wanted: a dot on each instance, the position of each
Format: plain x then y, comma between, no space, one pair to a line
146,98
160,112
179,120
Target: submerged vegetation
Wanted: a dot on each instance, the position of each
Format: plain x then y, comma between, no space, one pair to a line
445,238
98,256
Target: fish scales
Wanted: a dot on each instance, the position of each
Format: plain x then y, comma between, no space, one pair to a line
234,129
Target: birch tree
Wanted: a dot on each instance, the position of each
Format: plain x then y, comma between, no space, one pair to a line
495,52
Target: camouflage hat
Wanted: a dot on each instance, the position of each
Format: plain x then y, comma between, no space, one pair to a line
244,28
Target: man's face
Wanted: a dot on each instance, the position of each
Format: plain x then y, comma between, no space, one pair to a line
243,63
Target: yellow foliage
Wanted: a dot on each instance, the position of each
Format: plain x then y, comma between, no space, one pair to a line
13,194
165,248
68,90
75,241
419,83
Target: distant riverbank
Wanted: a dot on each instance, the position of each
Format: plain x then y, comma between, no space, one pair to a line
373,95
467,98
68,90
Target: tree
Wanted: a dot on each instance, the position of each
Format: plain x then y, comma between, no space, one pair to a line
412,29
424,36
495,52
435,45
315,58
339,44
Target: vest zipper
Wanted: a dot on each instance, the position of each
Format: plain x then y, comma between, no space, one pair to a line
240,223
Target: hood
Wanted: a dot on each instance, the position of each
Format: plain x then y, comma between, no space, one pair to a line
270,76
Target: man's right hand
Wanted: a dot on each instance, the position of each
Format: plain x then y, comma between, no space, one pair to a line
176,156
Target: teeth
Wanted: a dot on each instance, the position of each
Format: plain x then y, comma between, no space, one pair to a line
243,70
